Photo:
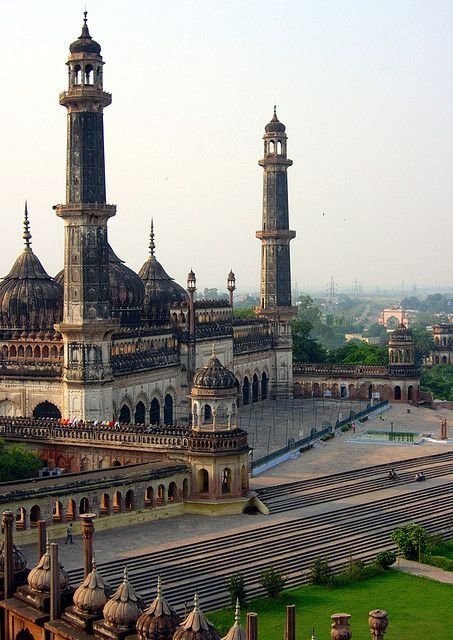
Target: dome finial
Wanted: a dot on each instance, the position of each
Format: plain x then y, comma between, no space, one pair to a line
152,244
213,350
159,587
237,614
26,235
85,13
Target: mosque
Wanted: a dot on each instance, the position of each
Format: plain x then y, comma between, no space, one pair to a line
101,342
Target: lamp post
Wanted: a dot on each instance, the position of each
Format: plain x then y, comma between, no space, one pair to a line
231,286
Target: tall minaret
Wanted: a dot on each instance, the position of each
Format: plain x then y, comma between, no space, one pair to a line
275,236
87,323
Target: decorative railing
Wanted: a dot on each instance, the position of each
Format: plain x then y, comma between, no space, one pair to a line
338,369
213,329
144,360
30,369
252,343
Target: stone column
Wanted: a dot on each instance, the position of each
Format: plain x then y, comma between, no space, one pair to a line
378,622
251,629
290,628
8,568
41,538
87,537
340,626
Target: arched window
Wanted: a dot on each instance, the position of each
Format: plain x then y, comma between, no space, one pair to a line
46,410
226,480
185,489
203,481
77,74
45,351
207,414
85,464
168,410
125,414
21,516
154,414
279,147
54,352
139,417
37,351
271,146
28,351
12,352
20,351
89,74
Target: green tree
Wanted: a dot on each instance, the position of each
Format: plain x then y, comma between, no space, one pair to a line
423,344
273,581
320,572
244,313
376,331
438,380
236,588
17,462
412,540
355,352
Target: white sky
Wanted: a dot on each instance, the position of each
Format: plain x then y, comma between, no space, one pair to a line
363,86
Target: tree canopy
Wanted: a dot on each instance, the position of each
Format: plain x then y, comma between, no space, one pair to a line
357,352
438,380
17,462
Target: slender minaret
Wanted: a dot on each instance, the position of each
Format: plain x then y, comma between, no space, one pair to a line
275,236
87,323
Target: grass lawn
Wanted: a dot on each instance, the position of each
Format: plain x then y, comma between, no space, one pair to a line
418,608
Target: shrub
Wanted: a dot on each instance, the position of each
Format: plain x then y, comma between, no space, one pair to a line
440,561
320,572
273,581
236,588
385,559
412,540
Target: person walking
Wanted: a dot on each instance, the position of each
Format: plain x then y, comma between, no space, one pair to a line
69,534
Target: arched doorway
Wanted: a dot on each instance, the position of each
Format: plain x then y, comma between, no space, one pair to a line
117,502
168,410
35,515
255,388
246,391
185,488
154,414
129,501
46,410
172,492
397,393
226,480
410,393
149,497
105,505
84,506
207,414
125,414
139,416
264,384
203,481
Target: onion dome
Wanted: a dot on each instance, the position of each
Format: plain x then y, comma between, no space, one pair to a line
214,376
236,632
19,559
161,291
124,607
126,287
29,297
85,43
159,621
196,626
39,577
92,594
275,126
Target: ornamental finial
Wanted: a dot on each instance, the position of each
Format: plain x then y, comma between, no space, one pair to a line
26,235
152,244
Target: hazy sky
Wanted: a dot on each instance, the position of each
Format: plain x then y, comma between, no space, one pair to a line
364,88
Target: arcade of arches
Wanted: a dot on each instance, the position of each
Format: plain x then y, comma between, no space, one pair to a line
399,390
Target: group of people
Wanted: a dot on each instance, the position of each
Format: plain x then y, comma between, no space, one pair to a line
419,477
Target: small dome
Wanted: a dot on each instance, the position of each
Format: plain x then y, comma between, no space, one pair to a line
85,43
236,632
401,334
214,376
275,126
19,560
161,291
92,594
159,620
196,626
39,577
29,297
124,607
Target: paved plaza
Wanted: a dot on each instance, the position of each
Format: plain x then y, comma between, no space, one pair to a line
345,451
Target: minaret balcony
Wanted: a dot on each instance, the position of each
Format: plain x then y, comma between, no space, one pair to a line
83,93
278,236
91,210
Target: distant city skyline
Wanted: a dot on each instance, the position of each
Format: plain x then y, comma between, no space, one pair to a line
361,87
